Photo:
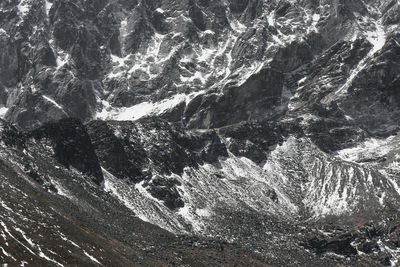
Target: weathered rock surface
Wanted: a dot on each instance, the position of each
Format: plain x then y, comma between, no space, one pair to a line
268,126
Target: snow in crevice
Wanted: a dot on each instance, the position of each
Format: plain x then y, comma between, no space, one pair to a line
62,57
229,44
375,33
30,242
271,19
92,258
4,205
61,60
234,23
315,19
50,100
64,238
123,31
44,256
48,6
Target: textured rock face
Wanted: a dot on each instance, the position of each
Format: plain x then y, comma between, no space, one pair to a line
52,215
257,98
365,238
151,149
119,156
72,146
272,126
88,55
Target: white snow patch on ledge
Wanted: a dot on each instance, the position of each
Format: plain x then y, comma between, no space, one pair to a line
209,32
143,109
3,111
160,10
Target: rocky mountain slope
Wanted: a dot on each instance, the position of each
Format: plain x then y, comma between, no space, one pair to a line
200,132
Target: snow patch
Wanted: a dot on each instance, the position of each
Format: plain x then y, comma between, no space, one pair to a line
187,214
237,26
3,111
54,103
61,60
48,6
370,149
143,109
376,35
23,7
145,206
271,19
92,258
123,28
3,32
63,237
5,253
61,190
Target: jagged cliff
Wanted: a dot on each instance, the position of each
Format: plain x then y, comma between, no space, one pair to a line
264,128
